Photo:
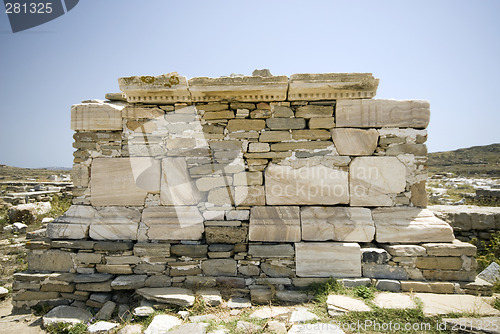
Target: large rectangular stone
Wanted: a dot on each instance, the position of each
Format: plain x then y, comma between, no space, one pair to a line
278,223
355,142
267,251
457,248
96,116
245,125
132,179
173,223
274,136
313,185
286,123
116,223
411,225
311,111
303,145
439,262
373,179
51,260
177,187
337,223
73,224
366,113
328,259
152,249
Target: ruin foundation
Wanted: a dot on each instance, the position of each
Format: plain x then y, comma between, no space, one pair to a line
262,184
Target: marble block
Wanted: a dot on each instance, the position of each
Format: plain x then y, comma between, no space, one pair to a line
275,223
96,116
177,187
173,223
355,142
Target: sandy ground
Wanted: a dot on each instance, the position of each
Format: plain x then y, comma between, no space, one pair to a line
10,323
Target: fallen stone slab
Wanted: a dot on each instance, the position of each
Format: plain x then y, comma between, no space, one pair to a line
101,327
131,329
162,323
436,304
276,327
394,301
490,325
66,314
339,304
302,314
317,328
170,295
238,302
267,312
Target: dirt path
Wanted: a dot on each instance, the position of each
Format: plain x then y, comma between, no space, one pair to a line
18,323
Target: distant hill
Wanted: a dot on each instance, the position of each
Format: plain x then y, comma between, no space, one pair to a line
9,173
477,160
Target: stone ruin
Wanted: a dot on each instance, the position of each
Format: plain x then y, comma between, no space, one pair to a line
261,184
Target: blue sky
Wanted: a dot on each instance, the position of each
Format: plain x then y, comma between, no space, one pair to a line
447,52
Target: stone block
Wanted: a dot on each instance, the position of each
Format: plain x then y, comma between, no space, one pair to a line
456,248
151,249
189,250
271,251
449,275
258,147
415,149
374,255
337,223
80,175
238,214
170,295
226,234
365,113
222,114
177,188
411,225
278,223
274,136
245,125
219,267
84,257
328,259
404,250
322,123
249,195
430,287
373,179
386,271
73,224
120,269
441,262
133,178
314,185
122,259
138,112
310,111
212,107
418,194
95,286
209,183
173,223
355,142
162,89
272,270
96,116
388,285
129,282
51,260
303,145
311,134
286,123
115,223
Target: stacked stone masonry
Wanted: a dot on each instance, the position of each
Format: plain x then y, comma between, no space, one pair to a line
247,183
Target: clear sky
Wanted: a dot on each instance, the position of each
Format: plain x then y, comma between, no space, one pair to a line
447,52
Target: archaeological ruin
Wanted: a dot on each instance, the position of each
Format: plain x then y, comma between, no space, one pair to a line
253,185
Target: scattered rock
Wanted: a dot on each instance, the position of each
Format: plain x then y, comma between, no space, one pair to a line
210,297
106,311
267,312
338,304
66,314
276,327
388,285
162,323
101,327
143,311
238,303
19,227
184,314
131,329
247,327
189,328
302,314
3,292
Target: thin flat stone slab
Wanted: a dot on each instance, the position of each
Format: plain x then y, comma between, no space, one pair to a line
410,225
339,304
102,327
491,273
96,116
275,223
243,89
490,325
162,89
115,223
302,314
66,314
321,223
162,323
328,259
394,301
132,179
73,224
267,312
170,295
309,185
332,86
374,179
365,113
436,304
316,328
173,223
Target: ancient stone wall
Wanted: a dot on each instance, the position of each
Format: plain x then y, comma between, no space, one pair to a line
263,184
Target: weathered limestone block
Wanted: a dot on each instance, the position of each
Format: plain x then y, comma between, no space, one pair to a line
226,234
274,136
249,195
152,249
328,259
173,223
96,116
115,223
456,248
278,223
177,188
441,262
222,114
332,86
243,89
219,267
412,225
311,111
322,123
384,271
415,149
50,260
132,179
248,179
372,179
303,145
208,183
307,185
355,142
337,223
246,125
137,112
213,107
162,89
418,194
171,295
365,113
405,250
271,251
286,123
80,175
73,224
